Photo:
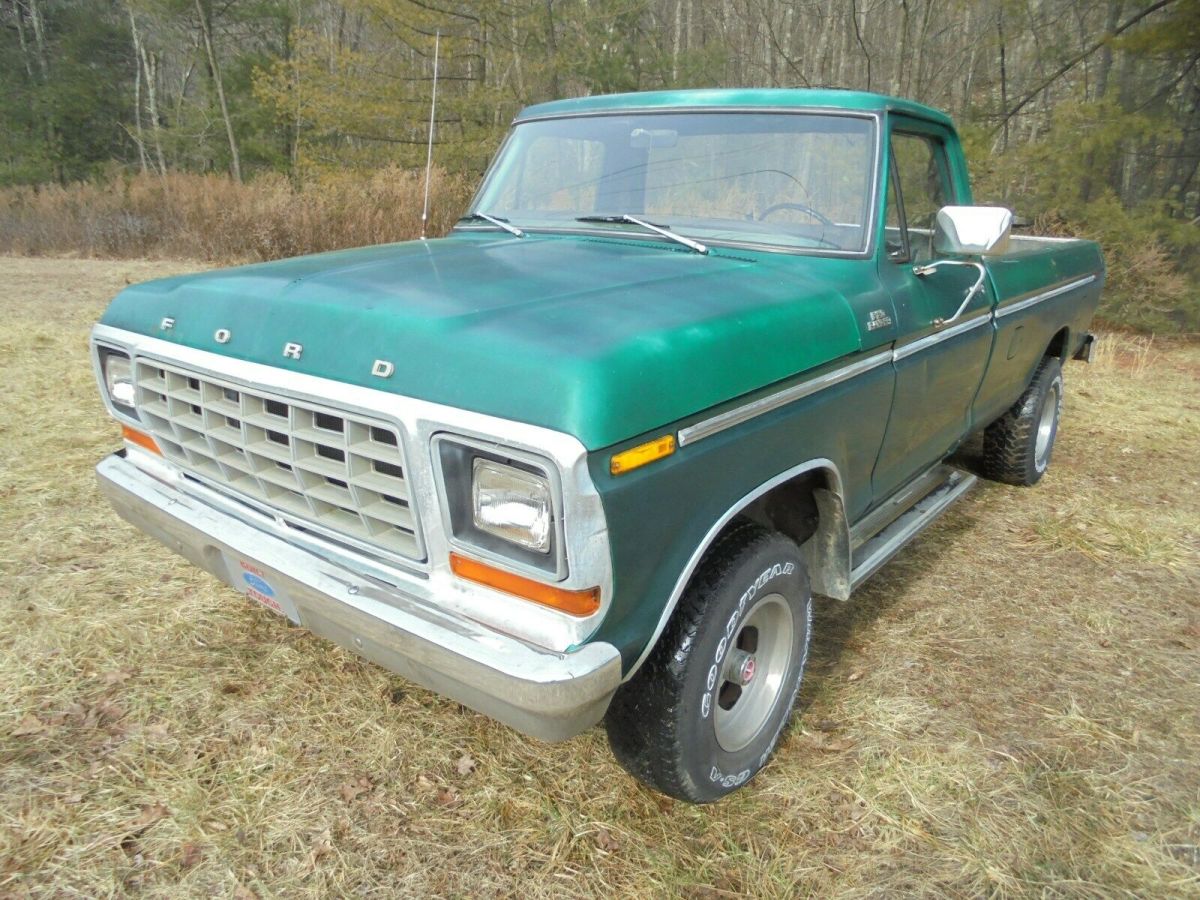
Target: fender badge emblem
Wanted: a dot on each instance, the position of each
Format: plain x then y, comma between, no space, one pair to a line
383,369
292,351
167,323
878,319
222,335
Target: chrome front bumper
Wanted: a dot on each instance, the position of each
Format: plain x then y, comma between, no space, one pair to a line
547,695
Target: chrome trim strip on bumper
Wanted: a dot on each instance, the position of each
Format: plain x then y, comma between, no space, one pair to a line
758,407
548,695
1044,295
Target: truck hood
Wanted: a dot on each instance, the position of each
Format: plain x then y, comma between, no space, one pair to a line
602,338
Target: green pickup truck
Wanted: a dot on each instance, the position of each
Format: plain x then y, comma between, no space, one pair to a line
689,359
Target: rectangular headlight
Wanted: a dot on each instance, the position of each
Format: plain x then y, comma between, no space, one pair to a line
502,505
118,380
512,504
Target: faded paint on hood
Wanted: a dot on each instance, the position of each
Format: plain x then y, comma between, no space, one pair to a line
602,338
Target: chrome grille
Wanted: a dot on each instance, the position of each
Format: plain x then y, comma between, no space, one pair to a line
341,471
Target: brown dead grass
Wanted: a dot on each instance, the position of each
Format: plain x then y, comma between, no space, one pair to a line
213,218
1009,708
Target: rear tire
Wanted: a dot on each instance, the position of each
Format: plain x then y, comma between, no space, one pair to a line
1017,447
704,713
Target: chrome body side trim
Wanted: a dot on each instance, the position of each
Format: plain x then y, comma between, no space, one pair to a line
1044,238
549,695
763,405
906,350
1018,305
585,532
681,582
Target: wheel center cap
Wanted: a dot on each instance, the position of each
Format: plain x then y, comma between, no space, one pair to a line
747,670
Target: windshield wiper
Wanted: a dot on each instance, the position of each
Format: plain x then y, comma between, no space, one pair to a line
495,220
665,232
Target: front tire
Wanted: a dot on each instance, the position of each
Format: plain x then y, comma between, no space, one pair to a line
1017,446
704,713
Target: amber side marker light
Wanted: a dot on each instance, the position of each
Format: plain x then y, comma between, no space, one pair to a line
142,440
577,603
636,457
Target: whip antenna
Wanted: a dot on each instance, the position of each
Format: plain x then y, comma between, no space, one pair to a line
437,41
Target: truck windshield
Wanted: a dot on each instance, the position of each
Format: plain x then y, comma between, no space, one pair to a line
798,181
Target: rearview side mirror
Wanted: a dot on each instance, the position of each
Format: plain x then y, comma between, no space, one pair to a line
972,229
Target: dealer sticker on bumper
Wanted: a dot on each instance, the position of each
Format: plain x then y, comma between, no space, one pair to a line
257,584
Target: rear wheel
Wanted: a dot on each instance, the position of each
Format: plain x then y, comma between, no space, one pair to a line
1017,446
704,713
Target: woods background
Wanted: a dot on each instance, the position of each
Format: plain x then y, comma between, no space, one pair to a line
243,129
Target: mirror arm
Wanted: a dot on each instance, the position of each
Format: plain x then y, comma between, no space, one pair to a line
929,268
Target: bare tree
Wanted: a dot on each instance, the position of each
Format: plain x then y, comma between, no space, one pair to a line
204,12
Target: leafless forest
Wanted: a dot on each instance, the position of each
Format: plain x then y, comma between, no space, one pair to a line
1081,115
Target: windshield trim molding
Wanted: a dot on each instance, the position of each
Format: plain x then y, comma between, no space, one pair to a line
876,116
724,243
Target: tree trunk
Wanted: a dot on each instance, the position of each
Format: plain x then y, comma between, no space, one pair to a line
235,163
39,38
902,54
140,135
1003,76
552,44
139,56
675,42
150,65
23,41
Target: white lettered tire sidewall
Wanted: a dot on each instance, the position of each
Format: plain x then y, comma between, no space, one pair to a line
778,570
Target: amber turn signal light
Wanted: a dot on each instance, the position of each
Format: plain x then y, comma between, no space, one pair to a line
577,603
635,457
142,440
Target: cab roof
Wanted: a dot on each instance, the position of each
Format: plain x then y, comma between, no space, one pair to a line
740,98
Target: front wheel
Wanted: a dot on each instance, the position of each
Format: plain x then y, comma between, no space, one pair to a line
704,713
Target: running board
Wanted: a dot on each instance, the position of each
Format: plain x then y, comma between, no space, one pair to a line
898,504
871,556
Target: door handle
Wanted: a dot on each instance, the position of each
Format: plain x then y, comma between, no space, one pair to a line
922,271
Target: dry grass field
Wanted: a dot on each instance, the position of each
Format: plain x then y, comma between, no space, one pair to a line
1012,707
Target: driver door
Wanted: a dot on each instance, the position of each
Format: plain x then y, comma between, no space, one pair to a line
939,364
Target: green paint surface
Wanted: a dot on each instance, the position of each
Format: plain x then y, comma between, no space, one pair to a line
601,338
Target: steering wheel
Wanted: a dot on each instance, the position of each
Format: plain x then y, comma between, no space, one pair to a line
799,207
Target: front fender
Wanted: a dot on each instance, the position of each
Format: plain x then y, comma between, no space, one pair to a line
664,516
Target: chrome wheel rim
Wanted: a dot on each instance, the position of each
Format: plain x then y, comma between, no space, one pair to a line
1045,430
753,673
